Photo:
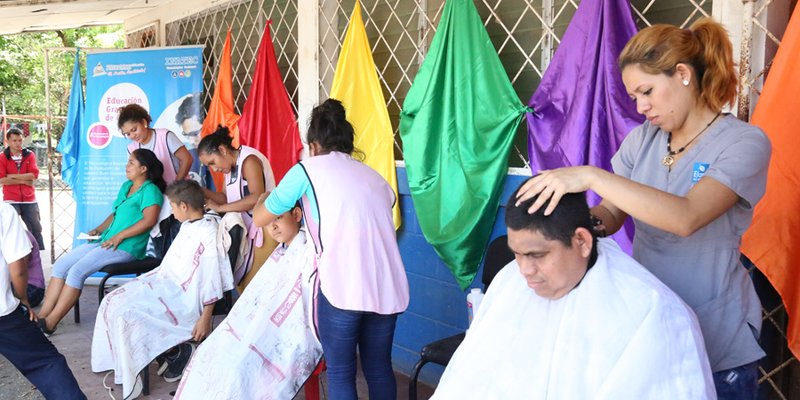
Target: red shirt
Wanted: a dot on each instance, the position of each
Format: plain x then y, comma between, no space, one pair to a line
18,193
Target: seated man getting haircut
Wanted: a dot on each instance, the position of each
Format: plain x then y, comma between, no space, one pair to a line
573,317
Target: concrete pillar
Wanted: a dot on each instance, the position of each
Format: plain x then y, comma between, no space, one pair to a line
307,61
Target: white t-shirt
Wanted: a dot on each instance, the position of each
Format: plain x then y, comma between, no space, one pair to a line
14,245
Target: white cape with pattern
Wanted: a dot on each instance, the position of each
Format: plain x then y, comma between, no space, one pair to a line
620,334
150,314
266,348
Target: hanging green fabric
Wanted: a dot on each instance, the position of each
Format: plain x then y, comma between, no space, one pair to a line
457,126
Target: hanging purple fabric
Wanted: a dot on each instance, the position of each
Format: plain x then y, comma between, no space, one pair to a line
581,109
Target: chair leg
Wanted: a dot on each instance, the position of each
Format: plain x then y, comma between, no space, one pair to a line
312,384
412,383
312,387
77,309
101,289
145,374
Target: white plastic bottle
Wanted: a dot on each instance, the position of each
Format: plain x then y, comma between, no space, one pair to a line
473,302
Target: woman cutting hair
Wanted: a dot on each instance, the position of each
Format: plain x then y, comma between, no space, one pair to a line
689,177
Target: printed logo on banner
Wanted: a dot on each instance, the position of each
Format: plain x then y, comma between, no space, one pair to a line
181,67
125,69
98,136
698,171
98,70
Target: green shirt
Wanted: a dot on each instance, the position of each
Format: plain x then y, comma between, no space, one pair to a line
128,211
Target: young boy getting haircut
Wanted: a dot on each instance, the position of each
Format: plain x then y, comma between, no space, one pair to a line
168,306
266,347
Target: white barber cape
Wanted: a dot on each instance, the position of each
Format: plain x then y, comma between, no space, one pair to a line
620,334
266,348
149,315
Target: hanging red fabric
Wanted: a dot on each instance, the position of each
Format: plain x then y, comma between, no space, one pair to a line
268,121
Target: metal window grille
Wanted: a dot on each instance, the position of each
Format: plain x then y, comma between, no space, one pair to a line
764,23
524,32
247,20
146,36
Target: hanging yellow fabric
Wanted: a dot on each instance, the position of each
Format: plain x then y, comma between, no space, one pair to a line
357,86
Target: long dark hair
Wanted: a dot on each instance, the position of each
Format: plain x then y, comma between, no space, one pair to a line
155,170
210,144
330,129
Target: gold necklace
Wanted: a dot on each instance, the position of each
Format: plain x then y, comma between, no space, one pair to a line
668,159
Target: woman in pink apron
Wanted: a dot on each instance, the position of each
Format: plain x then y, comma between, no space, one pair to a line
134,122
247,176
362,285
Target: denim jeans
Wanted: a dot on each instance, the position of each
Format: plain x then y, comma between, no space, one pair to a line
341,331
84,260
740,383
25,346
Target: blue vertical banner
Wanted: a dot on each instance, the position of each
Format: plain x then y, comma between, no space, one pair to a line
165,81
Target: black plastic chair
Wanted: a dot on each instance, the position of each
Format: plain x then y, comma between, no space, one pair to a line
223,306
441,351
169,230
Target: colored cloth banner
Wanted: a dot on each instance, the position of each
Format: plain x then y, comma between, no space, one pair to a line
69,144
771,242
357,86
158,80
221,111
581,109
457,125
268,122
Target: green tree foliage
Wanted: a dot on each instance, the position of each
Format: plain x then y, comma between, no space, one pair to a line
22,70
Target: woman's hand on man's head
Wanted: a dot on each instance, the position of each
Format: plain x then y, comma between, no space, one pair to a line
553,184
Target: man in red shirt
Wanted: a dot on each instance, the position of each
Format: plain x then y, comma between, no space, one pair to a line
18,171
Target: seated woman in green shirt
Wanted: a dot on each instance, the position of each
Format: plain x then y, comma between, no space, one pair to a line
123,237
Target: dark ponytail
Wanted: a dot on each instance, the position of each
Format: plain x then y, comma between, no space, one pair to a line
155,170
210,144
330,129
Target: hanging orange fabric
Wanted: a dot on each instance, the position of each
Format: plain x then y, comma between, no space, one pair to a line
773,238
221,111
